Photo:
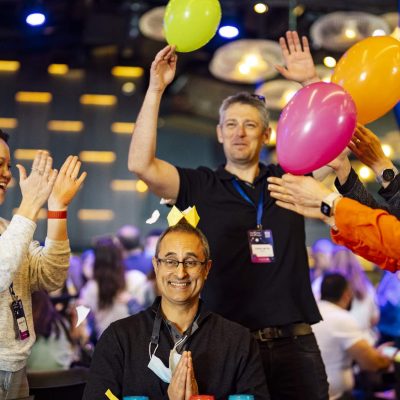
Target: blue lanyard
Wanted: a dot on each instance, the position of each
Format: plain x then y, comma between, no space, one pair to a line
260,206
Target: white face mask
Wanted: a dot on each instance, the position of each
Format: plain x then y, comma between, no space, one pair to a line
158,367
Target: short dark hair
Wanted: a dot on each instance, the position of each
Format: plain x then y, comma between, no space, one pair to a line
129,236
4,136
333,286
248,99
184,227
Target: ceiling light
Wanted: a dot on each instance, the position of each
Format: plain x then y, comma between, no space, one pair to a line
278,92
338,31
228,31
151,24
260,8
329,62
246,61
35,19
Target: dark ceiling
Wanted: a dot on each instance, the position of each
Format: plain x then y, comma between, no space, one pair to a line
75,27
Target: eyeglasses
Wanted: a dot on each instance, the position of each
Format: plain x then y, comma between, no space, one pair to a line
258,97
172,264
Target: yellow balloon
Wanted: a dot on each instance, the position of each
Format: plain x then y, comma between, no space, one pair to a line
190,24
370,72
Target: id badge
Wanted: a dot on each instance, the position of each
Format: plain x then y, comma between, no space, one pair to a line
20,320
261,246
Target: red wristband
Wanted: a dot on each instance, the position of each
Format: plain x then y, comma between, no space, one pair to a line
57,214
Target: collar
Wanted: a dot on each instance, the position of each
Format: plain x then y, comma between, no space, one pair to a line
202,312
225,175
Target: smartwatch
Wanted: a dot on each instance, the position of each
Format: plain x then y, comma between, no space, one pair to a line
327,203
387,175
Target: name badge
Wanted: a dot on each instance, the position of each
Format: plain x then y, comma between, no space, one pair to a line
261,246
21,326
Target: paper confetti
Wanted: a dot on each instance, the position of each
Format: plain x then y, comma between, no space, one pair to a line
154,217
82,312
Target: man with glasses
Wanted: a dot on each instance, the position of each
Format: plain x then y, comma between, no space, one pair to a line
205,353
260,276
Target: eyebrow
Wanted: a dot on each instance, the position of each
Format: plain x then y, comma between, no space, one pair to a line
188,254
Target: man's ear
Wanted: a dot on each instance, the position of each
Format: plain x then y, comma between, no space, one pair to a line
219,134
208,267
267,135
155,264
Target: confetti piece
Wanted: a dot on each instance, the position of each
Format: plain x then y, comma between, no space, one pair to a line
82,312
154,217
110,395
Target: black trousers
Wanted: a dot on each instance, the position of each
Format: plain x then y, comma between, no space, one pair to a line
294,368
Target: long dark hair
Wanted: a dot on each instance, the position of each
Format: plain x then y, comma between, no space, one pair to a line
109,270
46,318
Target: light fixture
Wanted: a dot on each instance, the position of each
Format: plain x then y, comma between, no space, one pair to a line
246,61
228,31
260,8
338,31
278,92
35,19
151,24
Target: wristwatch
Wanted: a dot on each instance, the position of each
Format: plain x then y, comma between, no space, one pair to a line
327,203
387,175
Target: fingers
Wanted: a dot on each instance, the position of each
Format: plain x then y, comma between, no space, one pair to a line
47,168
284,48
36,160
306,46
53,177
65,166
22,172
81,179
290,42
42,163
71,166
288,206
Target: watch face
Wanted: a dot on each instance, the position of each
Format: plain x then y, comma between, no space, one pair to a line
388,175
326,209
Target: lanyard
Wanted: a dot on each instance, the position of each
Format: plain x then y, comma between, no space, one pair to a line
260,206
155,334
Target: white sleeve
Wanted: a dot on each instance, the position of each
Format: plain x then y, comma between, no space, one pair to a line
14,247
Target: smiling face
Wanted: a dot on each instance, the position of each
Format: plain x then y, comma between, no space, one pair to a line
242,134
180,285
5,169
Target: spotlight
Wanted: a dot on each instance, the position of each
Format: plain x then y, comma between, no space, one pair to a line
35,19
228,31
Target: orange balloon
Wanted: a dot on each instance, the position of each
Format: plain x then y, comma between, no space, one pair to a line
370,72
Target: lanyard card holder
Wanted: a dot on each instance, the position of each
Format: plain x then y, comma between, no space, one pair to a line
20,320
17,308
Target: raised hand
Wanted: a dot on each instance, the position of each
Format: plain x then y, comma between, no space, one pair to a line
163,69
67,184
368,149
298,59
37,186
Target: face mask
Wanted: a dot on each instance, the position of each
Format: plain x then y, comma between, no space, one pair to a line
158,367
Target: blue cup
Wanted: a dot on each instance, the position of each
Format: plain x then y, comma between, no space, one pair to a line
135,398
241,397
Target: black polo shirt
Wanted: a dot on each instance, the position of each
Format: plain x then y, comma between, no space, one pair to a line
254,295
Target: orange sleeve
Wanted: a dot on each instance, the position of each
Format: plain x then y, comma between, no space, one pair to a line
371,233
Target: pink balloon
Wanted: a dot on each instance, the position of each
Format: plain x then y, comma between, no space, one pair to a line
315,127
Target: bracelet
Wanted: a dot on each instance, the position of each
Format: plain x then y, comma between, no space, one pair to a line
56,214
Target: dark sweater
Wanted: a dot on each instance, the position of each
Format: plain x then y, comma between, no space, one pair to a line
225,359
